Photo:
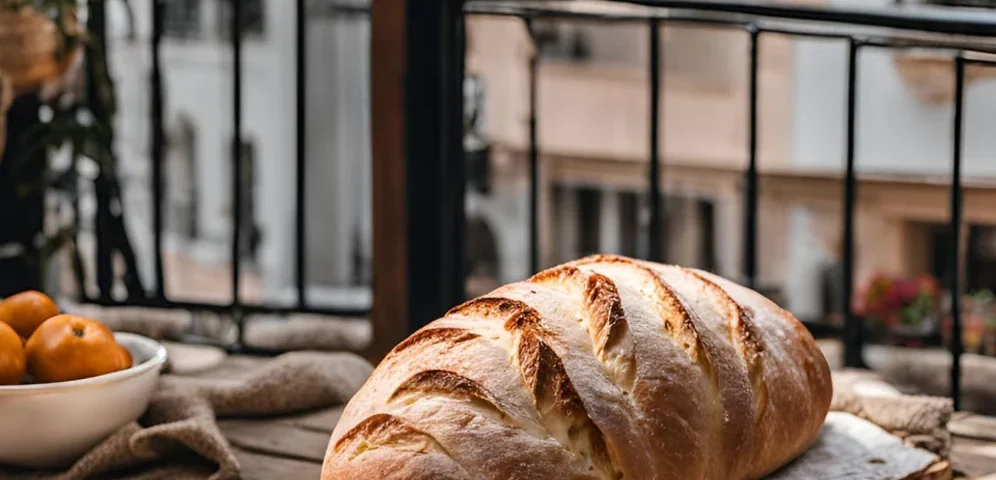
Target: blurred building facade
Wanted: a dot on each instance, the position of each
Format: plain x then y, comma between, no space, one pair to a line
593,124
593,128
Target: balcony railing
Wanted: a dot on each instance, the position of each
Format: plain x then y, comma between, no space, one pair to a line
236,308
435,67
419,158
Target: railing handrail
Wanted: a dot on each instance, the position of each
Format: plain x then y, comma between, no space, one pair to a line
955,21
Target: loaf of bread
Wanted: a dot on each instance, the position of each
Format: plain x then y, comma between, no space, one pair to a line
603,368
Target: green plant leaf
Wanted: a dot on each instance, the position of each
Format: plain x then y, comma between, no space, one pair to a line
58,240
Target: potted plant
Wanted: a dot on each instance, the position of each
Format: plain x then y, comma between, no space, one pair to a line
42,51
929,73
903,310
978,323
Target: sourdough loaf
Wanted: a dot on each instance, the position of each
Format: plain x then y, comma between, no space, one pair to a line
603,368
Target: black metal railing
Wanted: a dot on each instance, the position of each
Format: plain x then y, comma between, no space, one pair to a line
433,120
237,308
434,125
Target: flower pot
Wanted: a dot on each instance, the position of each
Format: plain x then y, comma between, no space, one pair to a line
923,328
919,334
989,343
32,49
973,333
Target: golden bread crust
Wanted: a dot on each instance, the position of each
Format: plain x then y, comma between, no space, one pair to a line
602,368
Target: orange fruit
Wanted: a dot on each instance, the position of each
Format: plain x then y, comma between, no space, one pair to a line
12,363
25,311
69,347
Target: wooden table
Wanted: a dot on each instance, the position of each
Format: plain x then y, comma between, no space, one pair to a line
971,454
269,449
294,446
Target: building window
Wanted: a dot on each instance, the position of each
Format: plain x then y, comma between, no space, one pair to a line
477,150
981,265
630,228
359,255
706,213
979,268
250,233
182,18
181,174
253,18
482,257
561,41
590,208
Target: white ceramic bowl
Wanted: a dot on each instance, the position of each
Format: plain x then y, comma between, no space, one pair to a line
53,425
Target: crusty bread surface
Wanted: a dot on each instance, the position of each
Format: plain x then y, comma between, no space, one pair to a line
602,368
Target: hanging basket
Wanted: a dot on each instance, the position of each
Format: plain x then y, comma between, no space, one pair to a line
32,49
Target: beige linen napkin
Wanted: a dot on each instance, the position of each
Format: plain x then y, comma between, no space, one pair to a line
920,421
178,437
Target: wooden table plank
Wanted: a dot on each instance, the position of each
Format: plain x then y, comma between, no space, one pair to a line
970,425
323,421
266,467
974,458
267,437
233,367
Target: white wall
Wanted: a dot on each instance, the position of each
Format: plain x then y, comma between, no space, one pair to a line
339,164
896,133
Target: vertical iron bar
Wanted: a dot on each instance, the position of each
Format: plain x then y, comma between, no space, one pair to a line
533,160
435,180
954,249
79,271
301,110
158,144
96,25
655,247
237,173
454,21
852,324
750,180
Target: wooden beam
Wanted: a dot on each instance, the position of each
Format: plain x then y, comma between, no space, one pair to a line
387,78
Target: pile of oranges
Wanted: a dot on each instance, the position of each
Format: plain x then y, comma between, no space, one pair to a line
38,340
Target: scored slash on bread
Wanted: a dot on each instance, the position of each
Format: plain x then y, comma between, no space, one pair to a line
602,368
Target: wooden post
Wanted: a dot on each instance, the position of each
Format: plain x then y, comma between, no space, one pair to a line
390,252
418,165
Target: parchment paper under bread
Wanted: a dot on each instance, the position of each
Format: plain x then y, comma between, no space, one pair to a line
852,448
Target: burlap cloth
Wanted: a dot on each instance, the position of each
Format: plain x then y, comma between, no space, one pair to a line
920,421
178,437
